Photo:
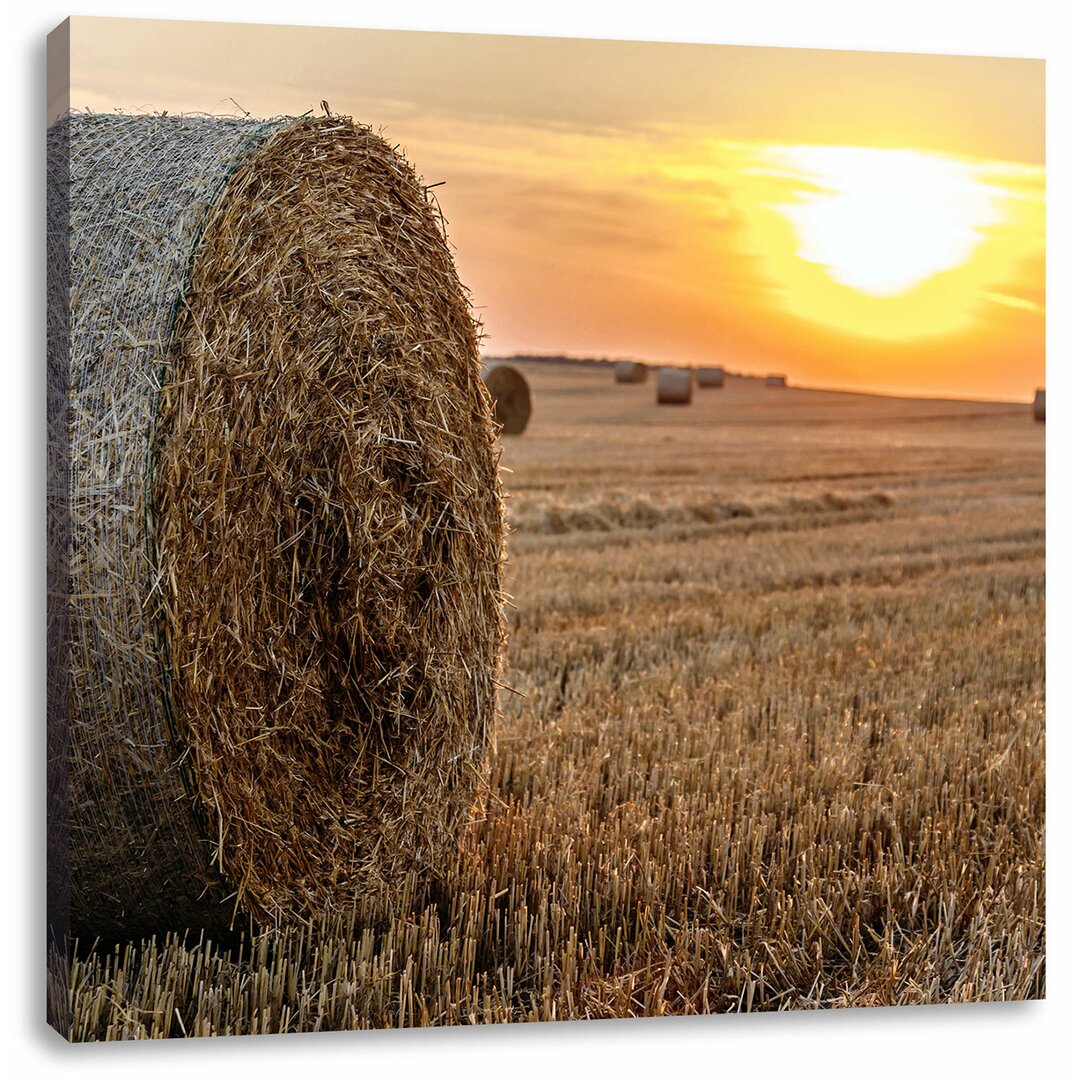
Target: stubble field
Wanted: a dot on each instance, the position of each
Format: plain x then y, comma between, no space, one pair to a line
773,737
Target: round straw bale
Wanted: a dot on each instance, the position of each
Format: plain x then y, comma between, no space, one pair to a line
710,377
285,516
630,371
509,391
776,381
1040,405
674,386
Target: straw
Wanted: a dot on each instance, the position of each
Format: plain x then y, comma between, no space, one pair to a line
286,533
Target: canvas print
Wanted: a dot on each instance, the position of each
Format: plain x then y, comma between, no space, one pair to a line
539,529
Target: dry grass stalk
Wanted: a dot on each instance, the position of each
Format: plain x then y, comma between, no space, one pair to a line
509,391
674,386
286,523
631,371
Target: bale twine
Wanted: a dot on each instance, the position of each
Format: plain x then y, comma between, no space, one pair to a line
1040,405
674,386
286,529
509,391
710,378
776,380
630,371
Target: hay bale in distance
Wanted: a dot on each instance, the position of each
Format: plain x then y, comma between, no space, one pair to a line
286,527
776,380
710,378
1040,405
509,390
631,371
674,386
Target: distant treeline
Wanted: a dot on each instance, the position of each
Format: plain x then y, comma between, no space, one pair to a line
593,361
587,361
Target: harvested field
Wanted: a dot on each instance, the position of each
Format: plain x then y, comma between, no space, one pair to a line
774,738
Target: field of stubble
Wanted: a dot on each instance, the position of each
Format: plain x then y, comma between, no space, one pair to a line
774,737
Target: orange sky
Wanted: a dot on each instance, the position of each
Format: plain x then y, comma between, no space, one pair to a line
865,220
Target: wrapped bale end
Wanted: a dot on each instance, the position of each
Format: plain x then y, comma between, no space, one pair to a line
710,378
510,395
674,386
631,371
1040,405
285,576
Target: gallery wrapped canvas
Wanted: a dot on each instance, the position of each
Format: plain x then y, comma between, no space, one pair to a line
408,664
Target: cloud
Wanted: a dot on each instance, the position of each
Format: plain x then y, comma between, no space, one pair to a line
1014,301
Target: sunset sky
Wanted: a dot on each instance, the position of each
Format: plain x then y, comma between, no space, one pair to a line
859,220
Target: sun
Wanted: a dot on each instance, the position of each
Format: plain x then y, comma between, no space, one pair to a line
886,243
881,221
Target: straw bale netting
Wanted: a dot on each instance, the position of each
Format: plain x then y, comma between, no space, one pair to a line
1040,405
710,378
776,380
283,617
509,390
631,371
674,386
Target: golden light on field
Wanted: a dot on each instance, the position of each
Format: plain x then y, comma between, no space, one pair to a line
888,243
